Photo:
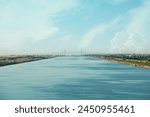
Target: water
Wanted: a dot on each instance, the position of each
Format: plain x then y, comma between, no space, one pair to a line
74,78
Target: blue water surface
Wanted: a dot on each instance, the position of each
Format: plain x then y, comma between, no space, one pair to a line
74,78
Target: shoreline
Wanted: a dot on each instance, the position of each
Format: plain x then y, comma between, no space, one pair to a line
131,62
12,60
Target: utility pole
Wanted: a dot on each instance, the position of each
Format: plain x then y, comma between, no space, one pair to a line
65,52
81,52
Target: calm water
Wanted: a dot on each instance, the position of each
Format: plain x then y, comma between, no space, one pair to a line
74,78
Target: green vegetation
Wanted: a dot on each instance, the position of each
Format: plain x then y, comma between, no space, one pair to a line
138,63
139,60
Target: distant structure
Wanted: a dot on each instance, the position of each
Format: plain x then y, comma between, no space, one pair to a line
74,53
65,52
81,52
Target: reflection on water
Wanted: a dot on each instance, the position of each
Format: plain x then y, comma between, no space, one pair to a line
74,78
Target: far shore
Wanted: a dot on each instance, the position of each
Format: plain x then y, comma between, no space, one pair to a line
137,60
136,63
10,60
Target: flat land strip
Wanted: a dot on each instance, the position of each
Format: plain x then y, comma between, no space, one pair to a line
137,63
138,60
10,60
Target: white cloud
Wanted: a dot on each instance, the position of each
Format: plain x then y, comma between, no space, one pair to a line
66,37
97,32
23,22
135,38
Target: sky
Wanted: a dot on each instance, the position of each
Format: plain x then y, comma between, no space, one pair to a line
102,26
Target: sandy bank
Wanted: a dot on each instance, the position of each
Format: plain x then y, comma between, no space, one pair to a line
137,63
10,60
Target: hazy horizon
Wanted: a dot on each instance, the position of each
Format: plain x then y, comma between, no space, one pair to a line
48,26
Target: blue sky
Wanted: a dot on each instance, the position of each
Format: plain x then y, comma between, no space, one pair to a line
103,26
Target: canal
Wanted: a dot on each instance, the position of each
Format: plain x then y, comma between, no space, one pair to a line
74,78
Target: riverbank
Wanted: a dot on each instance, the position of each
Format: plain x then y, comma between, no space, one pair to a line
137,63
10,60
138,60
